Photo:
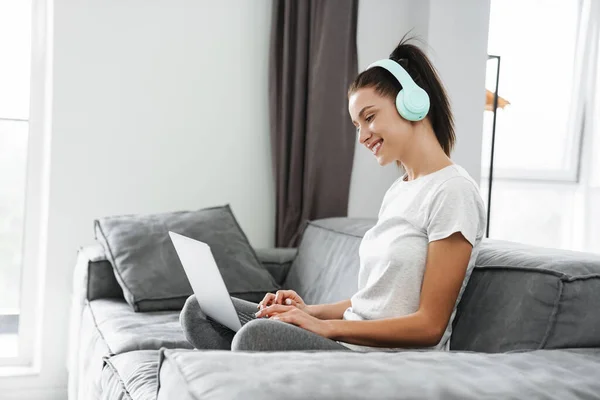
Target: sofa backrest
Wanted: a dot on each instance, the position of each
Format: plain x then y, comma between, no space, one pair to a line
518,297
325,269
523,297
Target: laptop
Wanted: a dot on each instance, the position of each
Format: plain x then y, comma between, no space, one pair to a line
207,282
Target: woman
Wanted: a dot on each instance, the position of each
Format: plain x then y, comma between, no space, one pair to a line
415,262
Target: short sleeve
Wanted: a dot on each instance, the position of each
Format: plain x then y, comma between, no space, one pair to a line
456,206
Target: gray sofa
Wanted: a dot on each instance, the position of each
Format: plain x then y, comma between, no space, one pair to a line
528,326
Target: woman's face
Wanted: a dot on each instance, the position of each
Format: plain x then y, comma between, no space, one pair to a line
379,126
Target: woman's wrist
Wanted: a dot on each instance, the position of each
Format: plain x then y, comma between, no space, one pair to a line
330,328
310,310
327,311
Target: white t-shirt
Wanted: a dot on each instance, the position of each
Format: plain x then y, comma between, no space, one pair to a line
393,252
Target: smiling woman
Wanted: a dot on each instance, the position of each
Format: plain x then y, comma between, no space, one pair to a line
415,262
391,92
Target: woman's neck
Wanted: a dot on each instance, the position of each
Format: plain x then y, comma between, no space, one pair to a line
425,156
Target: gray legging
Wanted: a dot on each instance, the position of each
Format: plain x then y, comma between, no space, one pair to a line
256,335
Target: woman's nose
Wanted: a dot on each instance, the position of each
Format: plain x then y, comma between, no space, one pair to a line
363,135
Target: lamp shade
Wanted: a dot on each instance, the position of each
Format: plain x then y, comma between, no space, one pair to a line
489,101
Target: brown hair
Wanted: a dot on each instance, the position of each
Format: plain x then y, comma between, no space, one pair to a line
418,66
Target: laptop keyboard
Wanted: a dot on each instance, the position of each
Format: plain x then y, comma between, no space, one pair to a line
245,318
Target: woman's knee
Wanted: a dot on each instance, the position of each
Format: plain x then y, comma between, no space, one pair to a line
199,331
190,313
257,335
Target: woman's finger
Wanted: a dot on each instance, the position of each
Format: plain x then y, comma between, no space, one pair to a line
279,296
290,294
272,309
291,302
283,295
266,301
275,308
285,317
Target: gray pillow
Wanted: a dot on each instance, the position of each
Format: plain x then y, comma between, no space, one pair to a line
148,268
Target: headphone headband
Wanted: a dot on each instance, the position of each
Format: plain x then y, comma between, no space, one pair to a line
412,102
397,70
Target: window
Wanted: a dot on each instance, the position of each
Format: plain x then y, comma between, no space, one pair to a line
546,184
15,49
536,138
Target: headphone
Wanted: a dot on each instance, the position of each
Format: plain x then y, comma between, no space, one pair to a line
412,102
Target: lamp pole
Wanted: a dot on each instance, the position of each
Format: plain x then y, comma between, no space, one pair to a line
491,174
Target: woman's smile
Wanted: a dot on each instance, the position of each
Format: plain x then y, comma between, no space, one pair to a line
376,146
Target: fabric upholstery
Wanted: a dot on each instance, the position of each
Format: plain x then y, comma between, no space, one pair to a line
101,283
148,268
125,331
491,316
173,384
86,363
109,327
527,297
277,261
326,267
577,320
131,376
92,278
407,375
519,298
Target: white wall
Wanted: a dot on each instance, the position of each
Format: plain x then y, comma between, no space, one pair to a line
157,106
380,26
456,37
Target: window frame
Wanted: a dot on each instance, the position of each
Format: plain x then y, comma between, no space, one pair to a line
574,132
570,174
33,245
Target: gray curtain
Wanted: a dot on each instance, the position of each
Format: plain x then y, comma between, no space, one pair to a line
312,62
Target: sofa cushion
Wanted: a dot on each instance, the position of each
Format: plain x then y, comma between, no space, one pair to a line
325,269
123,330
529,297
130,376
109,327
209,375
148,268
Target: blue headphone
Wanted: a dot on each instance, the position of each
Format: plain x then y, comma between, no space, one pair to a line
412,101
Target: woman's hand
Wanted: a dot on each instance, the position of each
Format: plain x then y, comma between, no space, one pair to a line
287,297
295,316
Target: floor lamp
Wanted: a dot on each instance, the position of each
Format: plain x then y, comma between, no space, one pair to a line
492,102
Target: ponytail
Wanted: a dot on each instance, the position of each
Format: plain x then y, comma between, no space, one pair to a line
419,67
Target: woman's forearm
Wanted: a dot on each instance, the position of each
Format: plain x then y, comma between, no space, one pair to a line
414,330
328,311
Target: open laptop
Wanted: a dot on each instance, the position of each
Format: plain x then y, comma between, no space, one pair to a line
207,282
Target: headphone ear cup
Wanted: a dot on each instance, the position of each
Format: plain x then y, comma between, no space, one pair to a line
416,102
403,110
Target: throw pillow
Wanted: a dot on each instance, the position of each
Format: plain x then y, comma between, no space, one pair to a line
148,269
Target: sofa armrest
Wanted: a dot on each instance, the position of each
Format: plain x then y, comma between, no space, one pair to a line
93,278
277,261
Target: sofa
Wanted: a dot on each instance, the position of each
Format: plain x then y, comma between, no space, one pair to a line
527,326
